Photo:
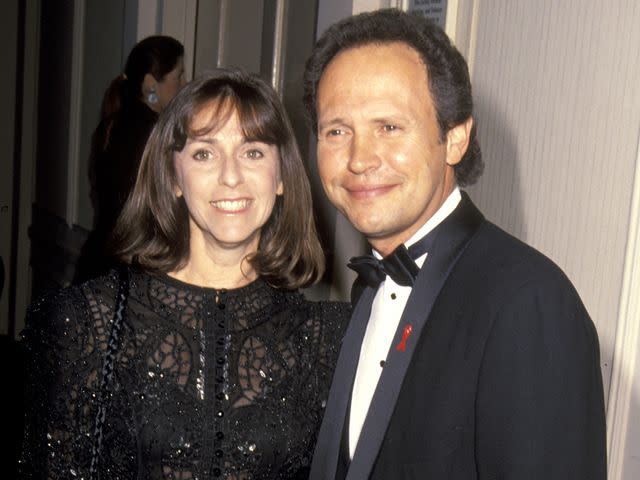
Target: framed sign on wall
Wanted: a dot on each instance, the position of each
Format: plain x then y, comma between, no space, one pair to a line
436,10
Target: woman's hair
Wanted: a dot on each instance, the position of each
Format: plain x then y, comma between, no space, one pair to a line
156,55
153,229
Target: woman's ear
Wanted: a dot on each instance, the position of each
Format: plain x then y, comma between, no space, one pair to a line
148,84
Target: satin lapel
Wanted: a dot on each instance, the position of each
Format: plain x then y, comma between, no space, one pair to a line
453,235
325,458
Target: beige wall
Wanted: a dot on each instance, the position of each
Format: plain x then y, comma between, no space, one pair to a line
557,89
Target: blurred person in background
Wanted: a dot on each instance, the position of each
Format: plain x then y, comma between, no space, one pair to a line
153,74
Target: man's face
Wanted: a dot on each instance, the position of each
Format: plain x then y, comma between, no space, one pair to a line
380,155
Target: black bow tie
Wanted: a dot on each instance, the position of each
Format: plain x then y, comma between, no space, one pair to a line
400,265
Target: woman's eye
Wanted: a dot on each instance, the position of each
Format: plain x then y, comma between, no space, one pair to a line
254,154
389,128
202,155
335,132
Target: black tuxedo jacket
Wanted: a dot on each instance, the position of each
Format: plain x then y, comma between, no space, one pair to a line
499,378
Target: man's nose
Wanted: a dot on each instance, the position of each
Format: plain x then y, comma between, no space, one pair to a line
363,154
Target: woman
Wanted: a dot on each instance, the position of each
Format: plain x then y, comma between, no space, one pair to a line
219,368
153,74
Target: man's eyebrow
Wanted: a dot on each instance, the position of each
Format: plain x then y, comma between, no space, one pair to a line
386,119
332,121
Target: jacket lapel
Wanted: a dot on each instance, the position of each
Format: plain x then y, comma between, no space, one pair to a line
325,458
453,235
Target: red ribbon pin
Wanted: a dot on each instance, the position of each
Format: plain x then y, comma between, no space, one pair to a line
402,346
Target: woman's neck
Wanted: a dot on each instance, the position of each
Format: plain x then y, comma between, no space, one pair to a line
217,267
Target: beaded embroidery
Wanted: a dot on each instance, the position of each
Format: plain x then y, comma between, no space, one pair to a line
206,384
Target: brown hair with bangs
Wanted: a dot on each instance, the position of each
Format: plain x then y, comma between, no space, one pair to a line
153,229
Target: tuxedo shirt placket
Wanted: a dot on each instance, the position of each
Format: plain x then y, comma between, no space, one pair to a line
386,312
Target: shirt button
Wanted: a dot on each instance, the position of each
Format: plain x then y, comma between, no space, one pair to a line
393,296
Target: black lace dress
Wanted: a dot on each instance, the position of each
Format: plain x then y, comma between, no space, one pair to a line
206,383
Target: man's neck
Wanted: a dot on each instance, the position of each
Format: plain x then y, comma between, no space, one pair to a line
383,249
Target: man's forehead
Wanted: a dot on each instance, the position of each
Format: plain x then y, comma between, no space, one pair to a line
377,64
377,48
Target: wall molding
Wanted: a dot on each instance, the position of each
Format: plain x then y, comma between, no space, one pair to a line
279,45
222,33
625,353
75,112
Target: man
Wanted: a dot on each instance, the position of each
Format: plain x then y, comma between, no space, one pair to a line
469,355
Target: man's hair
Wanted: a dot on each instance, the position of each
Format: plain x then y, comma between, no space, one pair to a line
153,229
447,72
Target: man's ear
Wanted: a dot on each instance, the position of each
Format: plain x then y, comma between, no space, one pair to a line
458,141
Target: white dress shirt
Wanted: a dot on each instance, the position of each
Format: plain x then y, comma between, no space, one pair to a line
386,311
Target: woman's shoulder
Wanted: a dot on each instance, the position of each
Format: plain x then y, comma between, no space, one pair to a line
323,310
60,315
328,318
326,325
332,311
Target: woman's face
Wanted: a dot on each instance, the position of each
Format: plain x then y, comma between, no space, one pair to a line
170,84
229,185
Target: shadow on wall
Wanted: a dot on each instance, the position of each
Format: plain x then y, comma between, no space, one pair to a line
498,192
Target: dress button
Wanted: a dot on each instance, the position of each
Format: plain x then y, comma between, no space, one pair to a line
217,472
220,413
222,306
219,379
220,360
219,435
220,341
219,453
220,395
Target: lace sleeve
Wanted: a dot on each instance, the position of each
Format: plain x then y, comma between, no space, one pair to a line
63,362
334,318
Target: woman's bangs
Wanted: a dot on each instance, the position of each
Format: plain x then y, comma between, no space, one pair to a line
258,120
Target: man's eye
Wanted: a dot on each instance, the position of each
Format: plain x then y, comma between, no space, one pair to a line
202,155
389,128
335,132
254,153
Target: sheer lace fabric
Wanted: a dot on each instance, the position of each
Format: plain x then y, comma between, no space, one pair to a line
207,383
